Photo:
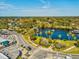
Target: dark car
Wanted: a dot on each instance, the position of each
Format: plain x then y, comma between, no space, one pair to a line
29,48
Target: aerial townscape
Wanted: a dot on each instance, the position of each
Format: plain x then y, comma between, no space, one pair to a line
39,37
39,29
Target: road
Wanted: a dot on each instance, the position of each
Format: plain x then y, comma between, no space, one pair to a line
12,51
21,41
69,48
42,53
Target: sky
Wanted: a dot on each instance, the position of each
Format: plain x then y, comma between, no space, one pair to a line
39,7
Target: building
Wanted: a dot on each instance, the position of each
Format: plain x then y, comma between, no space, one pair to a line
4,32
2,56
4,42
75,31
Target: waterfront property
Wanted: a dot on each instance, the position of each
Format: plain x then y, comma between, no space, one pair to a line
57,39
57,34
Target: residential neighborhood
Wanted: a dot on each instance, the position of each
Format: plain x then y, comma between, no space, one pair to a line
39,29
24,37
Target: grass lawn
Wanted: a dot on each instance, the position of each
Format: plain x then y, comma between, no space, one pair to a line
73,51
68,43
27,40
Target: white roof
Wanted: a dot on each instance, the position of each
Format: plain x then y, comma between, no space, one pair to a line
68,57
1,39
2,56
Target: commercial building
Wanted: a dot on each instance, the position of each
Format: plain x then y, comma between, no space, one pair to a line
4,42
2,56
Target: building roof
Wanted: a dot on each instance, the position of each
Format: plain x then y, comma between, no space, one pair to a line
2,56
4,32
2,40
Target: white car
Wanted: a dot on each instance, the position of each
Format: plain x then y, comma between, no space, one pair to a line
68,57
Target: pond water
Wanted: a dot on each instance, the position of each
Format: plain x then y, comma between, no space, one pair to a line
57,34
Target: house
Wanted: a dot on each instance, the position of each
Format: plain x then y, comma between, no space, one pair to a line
75,31
2,56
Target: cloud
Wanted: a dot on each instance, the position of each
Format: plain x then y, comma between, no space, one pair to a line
7,9
5,6
42,12
37,12
3,0
45,3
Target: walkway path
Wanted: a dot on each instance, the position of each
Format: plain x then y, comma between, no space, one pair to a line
69,48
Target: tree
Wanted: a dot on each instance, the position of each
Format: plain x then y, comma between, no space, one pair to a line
77,43
19,57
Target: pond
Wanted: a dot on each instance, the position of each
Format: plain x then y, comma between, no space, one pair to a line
57,34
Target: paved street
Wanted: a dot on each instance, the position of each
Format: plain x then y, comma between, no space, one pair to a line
12,51
47,54
21,41
37,53
42,53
